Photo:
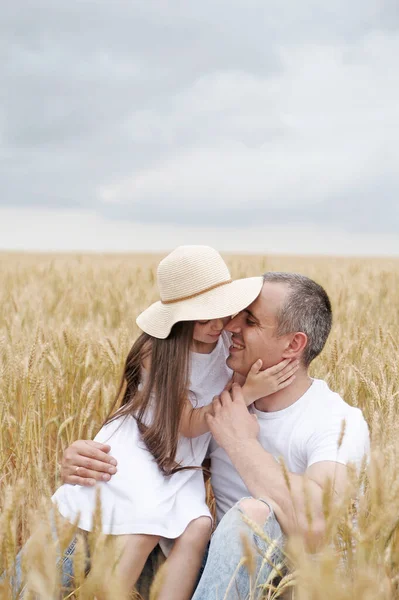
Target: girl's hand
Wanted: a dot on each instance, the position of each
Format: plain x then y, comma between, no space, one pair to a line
263,383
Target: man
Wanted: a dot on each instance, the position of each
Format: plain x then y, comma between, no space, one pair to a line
313,431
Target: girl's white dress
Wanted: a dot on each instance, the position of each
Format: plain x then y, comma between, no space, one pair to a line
139,498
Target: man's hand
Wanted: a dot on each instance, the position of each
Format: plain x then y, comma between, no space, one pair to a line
84,462
231,422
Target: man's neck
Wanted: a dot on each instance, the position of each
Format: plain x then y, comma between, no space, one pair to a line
287,396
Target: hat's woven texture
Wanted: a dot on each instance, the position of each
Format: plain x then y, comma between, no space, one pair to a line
190,270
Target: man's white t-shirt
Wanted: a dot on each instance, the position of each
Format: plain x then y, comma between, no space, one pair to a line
305,433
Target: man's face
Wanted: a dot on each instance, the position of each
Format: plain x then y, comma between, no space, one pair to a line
254,331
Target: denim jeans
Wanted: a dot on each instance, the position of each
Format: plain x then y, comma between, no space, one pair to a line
224,575
64,562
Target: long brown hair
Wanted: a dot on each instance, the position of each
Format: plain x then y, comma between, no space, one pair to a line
162,394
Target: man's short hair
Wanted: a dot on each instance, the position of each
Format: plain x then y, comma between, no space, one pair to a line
307,309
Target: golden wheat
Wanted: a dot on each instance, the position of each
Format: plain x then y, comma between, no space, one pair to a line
67,325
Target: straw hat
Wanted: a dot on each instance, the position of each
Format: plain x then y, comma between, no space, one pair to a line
195,285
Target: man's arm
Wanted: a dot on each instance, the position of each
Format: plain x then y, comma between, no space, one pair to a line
297,500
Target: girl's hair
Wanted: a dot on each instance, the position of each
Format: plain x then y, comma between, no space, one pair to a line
163,393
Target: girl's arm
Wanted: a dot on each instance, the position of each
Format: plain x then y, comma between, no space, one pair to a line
193,422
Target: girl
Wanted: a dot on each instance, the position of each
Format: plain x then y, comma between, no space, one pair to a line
160,433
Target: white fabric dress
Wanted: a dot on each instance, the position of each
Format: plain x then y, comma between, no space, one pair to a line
139,498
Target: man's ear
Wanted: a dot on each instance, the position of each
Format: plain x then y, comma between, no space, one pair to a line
296,345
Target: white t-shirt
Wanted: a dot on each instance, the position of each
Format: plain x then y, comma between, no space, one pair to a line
305,433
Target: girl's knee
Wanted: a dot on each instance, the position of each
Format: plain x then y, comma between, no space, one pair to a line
198,531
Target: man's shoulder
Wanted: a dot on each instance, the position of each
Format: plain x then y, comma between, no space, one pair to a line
323,396
336,431
327,406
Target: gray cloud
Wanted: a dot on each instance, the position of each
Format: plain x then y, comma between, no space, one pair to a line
111,106
347,214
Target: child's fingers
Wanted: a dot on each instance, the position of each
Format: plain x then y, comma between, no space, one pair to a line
287,373
289,370
279,367
286,383
256,367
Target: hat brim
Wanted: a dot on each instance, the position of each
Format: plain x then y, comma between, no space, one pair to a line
224,301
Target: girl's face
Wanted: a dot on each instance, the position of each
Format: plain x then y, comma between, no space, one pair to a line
208,332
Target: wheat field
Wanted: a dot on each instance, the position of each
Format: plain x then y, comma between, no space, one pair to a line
67,323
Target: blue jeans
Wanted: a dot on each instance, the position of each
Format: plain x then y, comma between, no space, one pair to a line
64,562
224,575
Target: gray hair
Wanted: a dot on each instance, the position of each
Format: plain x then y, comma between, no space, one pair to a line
307,309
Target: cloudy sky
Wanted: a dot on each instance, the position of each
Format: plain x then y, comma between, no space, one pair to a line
250,125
